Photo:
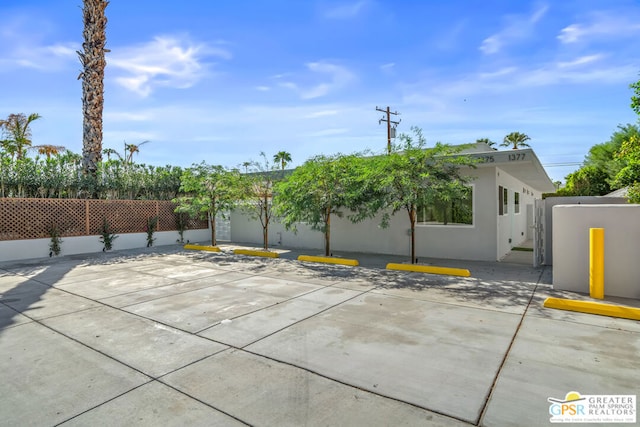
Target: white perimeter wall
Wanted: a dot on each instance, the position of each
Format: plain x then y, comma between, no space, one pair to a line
474,242
621,223
11,250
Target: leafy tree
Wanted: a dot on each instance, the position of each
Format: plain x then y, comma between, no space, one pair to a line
93,62
413,174
320,188
587,181
17,134
283,158
604,156
635,98
257,194
208,191
515,139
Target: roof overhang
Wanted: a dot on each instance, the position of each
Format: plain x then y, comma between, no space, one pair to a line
522,164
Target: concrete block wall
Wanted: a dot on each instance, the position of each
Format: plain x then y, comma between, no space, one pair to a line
571,224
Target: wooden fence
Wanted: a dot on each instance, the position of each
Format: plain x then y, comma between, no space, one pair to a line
34,218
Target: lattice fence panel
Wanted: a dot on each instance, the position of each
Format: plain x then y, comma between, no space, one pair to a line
123,216
33,218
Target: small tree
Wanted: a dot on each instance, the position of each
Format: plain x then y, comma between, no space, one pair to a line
257,194
413,174
208,191
318,189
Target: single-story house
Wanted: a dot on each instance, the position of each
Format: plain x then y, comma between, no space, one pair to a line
497,215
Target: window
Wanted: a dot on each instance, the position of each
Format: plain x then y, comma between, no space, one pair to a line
516,202
500,200
455,211
505,201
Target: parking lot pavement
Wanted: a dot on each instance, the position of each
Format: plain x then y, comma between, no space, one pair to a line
164,336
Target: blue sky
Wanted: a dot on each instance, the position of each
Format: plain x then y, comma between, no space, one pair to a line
221,81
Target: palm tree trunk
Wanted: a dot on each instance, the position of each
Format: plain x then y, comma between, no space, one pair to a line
93,61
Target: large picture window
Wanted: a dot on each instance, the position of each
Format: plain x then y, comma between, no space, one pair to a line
455,211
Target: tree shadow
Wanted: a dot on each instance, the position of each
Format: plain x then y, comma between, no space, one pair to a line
492,285
23,284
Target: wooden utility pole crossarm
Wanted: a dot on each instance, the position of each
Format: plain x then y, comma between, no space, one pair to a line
389,123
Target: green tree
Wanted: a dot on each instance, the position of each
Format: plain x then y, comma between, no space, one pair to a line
93,62
515,139
208,191
16,134
413,174
283,158
323,186
257,194
587,181
635,98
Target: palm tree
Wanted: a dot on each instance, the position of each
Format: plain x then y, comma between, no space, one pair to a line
487,141
517,139
132,149
93,62
109,152
49,150
246,166
283,158
17,133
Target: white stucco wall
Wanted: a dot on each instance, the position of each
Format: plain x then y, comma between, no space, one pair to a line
486,240
11,250
621,247
512,227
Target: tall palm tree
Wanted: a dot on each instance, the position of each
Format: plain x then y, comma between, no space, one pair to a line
246,166
517,139
17,135
93,62
283,158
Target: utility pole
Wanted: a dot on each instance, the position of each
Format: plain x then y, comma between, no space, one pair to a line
389,123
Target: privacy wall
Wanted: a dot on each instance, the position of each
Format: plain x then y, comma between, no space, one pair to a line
621,223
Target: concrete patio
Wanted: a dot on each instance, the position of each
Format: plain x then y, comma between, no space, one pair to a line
164,336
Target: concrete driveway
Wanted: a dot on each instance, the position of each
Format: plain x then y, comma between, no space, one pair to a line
174,337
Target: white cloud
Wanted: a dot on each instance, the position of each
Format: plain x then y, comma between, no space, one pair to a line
339,77
587,59
163,62
263,88
345,11
518,28
601,25
46,58
323,113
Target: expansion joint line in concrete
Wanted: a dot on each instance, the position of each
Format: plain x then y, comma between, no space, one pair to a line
506,354
335,380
